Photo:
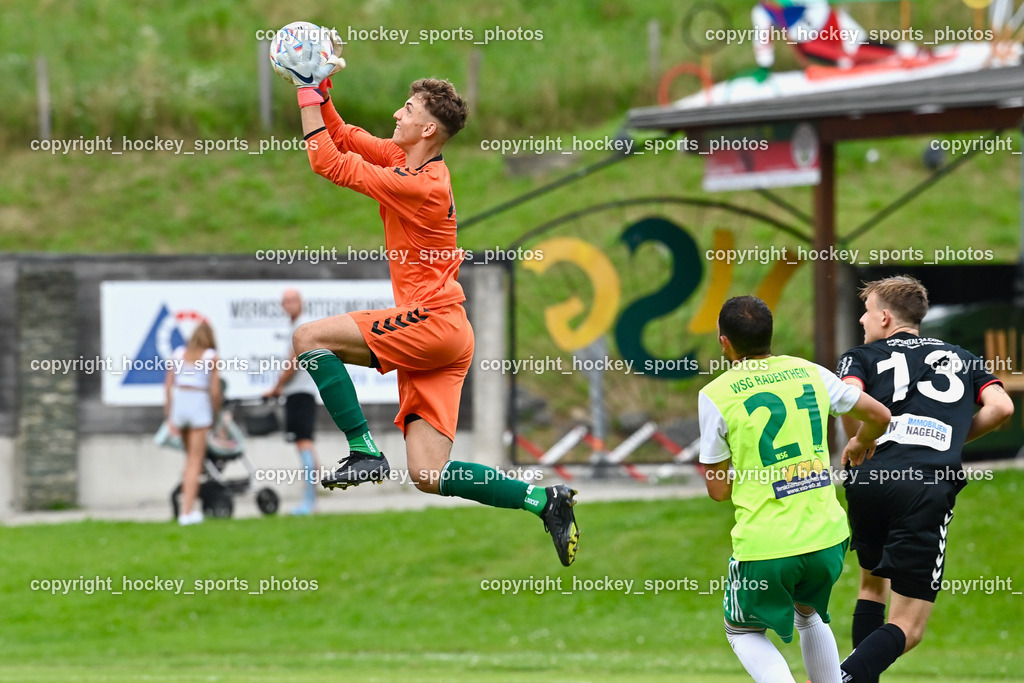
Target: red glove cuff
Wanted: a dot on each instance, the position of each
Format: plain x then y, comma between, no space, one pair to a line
309,97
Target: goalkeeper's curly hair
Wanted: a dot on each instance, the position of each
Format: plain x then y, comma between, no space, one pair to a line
443,103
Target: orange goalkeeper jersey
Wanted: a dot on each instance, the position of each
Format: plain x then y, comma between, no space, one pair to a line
416,205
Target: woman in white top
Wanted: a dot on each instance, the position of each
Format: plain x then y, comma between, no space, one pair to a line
193,399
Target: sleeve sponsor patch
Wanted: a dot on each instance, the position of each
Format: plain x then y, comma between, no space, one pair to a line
917,430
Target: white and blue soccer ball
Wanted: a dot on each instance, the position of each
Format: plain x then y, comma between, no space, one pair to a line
294,37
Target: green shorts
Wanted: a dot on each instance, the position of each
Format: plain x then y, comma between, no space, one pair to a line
761,593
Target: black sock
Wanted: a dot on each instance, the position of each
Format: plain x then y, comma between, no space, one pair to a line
874,655
867,616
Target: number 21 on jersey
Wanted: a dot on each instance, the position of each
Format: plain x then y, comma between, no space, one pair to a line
769,452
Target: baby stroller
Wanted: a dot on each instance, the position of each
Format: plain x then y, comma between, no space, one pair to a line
225,443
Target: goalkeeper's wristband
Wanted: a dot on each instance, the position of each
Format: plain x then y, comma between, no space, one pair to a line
309,97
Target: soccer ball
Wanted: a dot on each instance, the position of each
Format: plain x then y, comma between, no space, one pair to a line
294,37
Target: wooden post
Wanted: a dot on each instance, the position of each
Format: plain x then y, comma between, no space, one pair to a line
654,49
43,94
825,301
825,268
476,55
263,71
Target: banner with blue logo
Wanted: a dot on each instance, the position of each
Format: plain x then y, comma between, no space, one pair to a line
143,322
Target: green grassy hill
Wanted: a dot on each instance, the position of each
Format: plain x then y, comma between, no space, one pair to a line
189,70
188,73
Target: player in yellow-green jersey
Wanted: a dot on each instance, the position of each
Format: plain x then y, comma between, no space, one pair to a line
767,418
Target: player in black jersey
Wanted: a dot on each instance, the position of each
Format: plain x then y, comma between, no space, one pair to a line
900,501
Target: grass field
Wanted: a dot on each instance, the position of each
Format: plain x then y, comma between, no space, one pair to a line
398,597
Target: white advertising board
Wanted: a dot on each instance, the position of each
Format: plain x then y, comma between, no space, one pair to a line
142,323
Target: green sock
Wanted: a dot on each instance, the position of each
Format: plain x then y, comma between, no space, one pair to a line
489,486
339,396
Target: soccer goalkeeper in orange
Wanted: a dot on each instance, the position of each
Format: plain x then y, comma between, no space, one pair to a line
426,338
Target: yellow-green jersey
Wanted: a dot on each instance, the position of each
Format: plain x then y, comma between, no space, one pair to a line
770,416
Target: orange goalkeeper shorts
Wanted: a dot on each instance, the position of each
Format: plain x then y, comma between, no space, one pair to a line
431,349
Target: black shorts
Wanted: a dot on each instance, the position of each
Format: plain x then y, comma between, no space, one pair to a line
299,417
898,529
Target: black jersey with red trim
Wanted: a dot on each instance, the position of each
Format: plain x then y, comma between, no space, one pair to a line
930,387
